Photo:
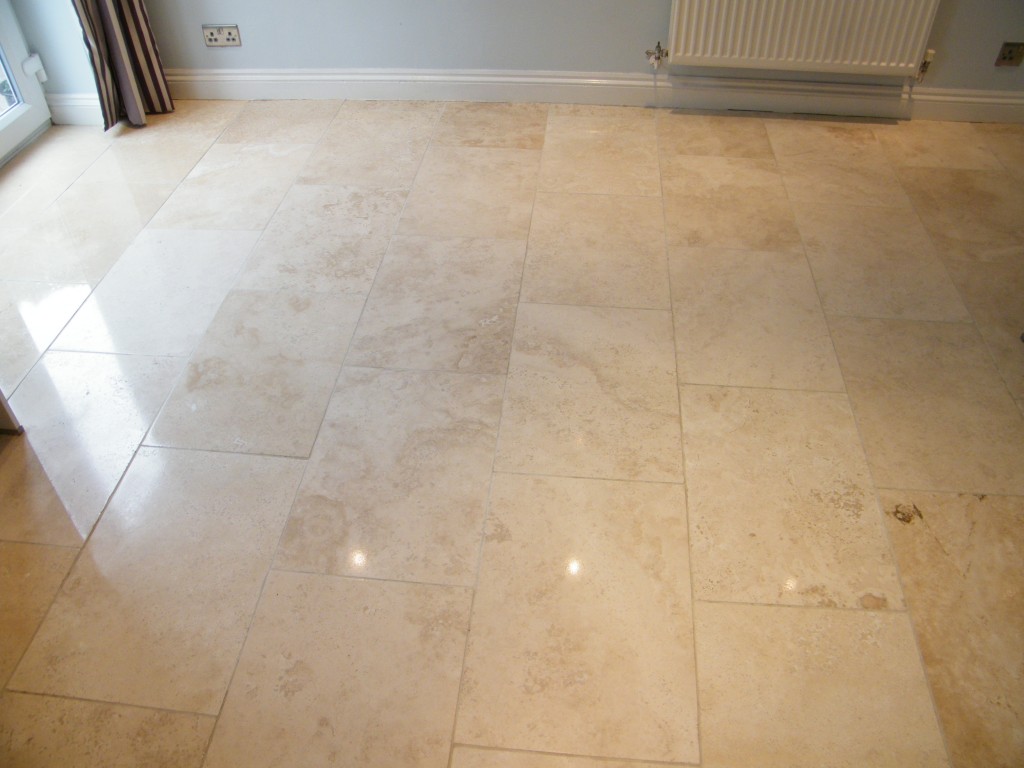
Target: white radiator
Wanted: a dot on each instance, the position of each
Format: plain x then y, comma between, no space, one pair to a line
884,37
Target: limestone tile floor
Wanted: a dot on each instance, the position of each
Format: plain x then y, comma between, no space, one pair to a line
512,436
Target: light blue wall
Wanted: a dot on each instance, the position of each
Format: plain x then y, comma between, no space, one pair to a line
967,35
52,30
558,35
562,35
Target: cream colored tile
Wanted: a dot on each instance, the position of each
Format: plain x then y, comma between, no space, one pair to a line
810,180
933,144
281,121
473,192
875,262
259,380
471,124
80,236
442,305
167,160
841,142
788,688
324,239
603,153
196,118
397,483
598,659
32,509
781,503
84,416
716,178
596,250
43,730
161,295
30,576
993,291
147,617
931,407
234,186
372,145
471,757
31,316
600,114
960,559
681,133
42,171
341,669
727,202
969,214
592,392
750,318
1006,142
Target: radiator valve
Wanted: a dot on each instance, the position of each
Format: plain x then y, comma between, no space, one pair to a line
655,56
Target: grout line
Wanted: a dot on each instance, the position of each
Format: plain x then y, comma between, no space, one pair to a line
494,460
611,761
106,703
682,448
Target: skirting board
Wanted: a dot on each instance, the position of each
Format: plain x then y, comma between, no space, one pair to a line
628,89
74,108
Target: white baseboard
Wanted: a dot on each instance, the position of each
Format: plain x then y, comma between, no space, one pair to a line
968,105
74,108
673,91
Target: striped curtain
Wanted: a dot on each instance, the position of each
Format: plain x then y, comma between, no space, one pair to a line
129,76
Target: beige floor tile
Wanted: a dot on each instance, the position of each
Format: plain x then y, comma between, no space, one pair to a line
597,660
342,670
749,318
80,236
42,730
84,416
205,118
473,757
397,483
994,292
234,186
933,144
601,153
842,142
596,250
781,503
147,617
324,239
969,214
442,304
167,158
1006,142
261,376
32,511
810,180
372,145
727,202
513,126
281,122
473,192
592,392
876,262
787,688
961,561
43,170
31,316
30,576
161,294
931,407
604,115
682,133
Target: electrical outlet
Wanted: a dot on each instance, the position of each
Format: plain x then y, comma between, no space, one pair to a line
221,35
1010,55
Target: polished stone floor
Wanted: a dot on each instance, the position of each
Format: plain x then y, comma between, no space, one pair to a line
481,436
